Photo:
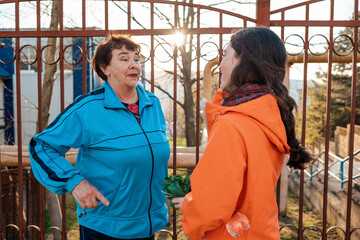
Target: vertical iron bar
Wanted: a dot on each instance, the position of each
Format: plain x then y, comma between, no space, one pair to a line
61,15
220,45
301,193
327,126
13,180
175,117
282,27
152,47
263,13
40,127
1,198
342,174
18,113
278,184
129,14
83,61
83,7
106,15
352,122
39,117
62,106
27,184
7,198
83,40
197,87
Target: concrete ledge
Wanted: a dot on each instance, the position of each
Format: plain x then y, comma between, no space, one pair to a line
185,156
337,203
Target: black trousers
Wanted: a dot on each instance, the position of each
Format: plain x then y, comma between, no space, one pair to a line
88,234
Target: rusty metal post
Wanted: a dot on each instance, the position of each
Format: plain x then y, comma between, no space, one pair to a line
263,13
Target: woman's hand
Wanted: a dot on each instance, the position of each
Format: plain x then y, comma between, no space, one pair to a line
88,196
177,202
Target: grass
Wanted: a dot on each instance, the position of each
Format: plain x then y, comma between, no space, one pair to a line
310,217
180,142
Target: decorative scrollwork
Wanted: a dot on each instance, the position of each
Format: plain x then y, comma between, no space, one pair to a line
14,56
206,54
167,49
334,228
293,44
80,57
311,228
311,45
55,61
341,45
87,52
145,52
27,62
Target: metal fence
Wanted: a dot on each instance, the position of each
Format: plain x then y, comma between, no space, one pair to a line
18,187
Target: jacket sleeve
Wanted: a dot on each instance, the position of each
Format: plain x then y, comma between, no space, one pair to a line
216,182
47,149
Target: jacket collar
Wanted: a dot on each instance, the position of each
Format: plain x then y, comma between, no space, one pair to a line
112,100
264,111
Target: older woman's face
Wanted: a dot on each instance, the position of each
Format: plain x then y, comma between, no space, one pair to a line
124,67
227,65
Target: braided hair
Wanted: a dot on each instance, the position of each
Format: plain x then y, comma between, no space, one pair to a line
262,57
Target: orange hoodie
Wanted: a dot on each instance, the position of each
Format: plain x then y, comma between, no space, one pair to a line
238,171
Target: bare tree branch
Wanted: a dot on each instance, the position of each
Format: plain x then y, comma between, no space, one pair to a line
232,1
164,91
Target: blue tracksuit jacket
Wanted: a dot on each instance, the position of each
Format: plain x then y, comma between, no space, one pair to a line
126,161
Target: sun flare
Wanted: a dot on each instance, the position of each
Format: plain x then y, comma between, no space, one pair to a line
178,38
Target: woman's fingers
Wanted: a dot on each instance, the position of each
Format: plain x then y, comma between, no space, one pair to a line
102,199
88,196
177,201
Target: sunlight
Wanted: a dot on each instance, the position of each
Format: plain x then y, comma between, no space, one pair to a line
178,38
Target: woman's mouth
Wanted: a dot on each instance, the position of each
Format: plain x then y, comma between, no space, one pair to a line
134,75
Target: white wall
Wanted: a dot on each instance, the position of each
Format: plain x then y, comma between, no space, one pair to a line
29,101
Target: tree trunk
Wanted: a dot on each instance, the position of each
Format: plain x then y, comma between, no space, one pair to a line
47,90
190,132
54,210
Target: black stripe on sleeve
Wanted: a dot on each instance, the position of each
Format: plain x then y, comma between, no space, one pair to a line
52,175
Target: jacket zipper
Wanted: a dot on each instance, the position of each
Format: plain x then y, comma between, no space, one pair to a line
152,172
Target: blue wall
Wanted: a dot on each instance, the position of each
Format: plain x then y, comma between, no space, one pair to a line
77,68
7,54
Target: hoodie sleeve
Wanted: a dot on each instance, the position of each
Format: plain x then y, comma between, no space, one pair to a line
47,149
216,182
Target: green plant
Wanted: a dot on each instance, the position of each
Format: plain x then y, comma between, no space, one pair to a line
176,186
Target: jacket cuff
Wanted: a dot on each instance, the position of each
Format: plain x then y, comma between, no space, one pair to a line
73,182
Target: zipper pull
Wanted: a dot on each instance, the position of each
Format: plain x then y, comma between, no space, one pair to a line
82,214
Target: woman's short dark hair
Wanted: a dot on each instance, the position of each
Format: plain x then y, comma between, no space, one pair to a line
103,53
262,57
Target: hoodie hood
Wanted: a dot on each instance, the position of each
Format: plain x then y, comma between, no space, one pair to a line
267,117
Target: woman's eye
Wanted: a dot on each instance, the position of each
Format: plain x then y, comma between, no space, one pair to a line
123,59
137,59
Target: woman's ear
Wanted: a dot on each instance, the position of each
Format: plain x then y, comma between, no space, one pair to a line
105,71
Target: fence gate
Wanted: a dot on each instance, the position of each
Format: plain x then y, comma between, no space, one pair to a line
53,42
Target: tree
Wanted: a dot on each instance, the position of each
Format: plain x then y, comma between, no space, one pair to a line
53,204
186,20
340,108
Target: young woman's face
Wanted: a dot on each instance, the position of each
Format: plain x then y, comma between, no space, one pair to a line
228,63
124,67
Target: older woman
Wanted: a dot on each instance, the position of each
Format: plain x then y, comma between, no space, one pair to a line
119,129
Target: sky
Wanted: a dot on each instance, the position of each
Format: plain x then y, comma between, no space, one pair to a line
118,18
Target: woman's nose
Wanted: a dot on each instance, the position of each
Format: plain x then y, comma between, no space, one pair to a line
132,64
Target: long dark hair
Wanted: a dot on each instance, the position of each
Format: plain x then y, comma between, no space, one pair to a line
262,57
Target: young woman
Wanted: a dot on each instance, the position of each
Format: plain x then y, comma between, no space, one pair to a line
251,129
